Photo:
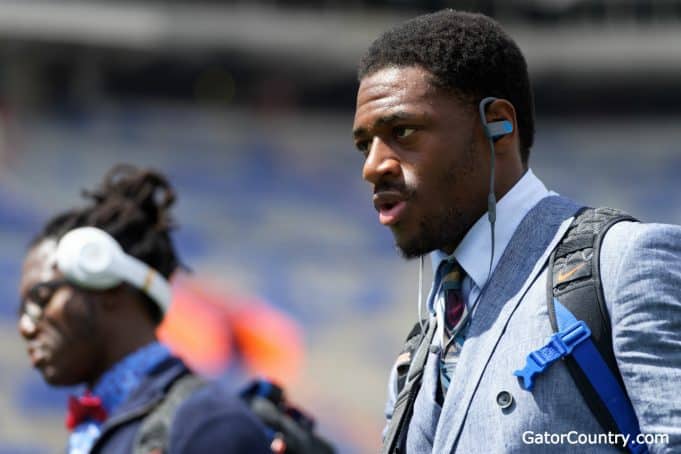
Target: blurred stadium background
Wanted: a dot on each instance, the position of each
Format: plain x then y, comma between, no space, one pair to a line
247,106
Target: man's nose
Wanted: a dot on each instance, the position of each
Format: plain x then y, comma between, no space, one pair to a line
380,162
27,326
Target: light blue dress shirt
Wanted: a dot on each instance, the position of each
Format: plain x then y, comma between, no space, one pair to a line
473,253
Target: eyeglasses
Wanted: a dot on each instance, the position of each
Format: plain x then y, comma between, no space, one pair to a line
38,297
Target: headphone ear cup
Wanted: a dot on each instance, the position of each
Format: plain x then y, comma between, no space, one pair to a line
85,256
498,129
91,258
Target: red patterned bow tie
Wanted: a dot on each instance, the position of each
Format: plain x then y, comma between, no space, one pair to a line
83,408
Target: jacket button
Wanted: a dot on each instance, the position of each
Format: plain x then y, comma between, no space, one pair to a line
504,399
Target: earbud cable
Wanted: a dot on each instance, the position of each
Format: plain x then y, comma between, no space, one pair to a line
420,299
491,216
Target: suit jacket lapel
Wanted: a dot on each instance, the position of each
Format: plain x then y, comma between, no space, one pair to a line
521,263
150,392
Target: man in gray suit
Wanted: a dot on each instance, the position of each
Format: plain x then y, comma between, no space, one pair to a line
445,122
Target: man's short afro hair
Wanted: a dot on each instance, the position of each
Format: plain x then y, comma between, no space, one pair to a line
468,54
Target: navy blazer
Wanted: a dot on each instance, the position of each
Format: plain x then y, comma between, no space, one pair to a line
211,420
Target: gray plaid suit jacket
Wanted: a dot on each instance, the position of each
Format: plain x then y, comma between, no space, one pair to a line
641,274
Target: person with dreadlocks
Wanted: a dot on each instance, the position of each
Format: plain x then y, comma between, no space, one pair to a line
93,290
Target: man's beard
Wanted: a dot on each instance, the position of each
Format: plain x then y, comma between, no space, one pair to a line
435,232
446,227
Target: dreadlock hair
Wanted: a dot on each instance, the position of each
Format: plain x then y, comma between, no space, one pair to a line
467,54
132,205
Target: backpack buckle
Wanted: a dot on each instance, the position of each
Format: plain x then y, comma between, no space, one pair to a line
558,346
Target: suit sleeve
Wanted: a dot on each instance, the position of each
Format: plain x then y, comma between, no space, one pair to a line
641,273
213,421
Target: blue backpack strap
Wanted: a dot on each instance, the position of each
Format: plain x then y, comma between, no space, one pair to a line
579,316
603,381
573,333
574,341
574,281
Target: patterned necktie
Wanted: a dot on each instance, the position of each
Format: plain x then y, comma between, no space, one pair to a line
454,316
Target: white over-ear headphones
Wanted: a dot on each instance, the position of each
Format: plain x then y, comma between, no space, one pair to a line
93,259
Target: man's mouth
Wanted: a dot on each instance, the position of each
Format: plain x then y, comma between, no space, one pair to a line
38,354
390,206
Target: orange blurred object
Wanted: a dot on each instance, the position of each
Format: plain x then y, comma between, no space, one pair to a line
210,330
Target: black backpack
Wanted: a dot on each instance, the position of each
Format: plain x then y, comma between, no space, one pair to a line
293,428
575,282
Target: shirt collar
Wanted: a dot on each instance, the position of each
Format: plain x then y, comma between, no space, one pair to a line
474,251
116,385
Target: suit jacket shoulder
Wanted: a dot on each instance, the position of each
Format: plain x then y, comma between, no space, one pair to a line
119,431
215,420
211,419
641,275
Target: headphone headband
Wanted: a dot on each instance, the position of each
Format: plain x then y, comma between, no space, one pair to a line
92,258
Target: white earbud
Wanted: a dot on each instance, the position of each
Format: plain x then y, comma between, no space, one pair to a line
93,259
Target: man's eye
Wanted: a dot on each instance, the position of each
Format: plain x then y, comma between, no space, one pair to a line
41,294
402,131
363,146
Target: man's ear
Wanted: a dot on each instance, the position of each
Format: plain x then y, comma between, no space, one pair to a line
112,299
501,110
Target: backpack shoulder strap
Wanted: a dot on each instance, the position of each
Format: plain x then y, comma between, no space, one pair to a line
416,349
289,426
575,275
153,434
411,343
575,285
